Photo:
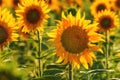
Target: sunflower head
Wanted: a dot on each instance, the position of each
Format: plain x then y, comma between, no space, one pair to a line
106,20
115,4
54,4
73,40
3,3
74,44
12,3
98,6
31,15
48,1
3,33
0,2
7,27
15,3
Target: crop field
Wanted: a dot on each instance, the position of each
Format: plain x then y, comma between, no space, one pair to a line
59,39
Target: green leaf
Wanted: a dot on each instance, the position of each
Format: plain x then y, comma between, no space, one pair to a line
44,47
49,78
13,46
52,72
72,10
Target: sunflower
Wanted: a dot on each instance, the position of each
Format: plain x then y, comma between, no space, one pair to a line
14,3
106,20
112,6
54,5
115,4
74,40
3,3
7,28
98,6
31,14
66,4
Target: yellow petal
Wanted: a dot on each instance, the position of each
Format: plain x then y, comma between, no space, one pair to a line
59,60
52,34
94,47
89,59
78,15
63,15
83,62
95,38
92,55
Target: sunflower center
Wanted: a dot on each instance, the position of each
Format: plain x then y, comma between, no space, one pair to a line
101,7
0,2
117,3
49,1
74,39
15,2
33,16
3,34
106,22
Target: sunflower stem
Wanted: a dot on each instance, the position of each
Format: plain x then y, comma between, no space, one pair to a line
39,54
107,51
70,72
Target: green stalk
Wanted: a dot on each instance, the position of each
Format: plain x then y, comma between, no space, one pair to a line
107,50
39,54
70,72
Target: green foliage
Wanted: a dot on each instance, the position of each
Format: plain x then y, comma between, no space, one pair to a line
51,77
11,73
52,72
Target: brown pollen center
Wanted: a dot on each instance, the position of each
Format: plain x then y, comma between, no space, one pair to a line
48,1
117,3
15,2
101,7
0,2
3,34
33,16
106,22
74,39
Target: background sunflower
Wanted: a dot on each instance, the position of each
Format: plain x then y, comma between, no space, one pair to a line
54,5
31,15
98,6
14,3
3,3
107,20
7,28
115,4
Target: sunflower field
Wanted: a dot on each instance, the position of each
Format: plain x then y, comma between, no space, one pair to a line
59,39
